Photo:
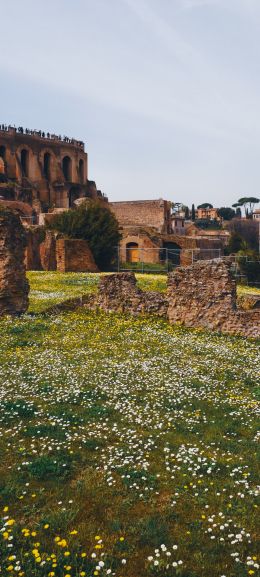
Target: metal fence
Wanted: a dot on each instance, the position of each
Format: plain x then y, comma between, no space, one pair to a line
160,260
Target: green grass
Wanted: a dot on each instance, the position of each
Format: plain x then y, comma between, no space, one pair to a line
125,438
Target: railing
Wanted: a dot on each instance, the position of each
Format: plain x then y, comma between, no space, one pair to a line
40,134
160,260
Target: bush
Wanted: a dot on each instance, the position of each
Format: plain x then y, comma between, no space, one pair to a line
94,223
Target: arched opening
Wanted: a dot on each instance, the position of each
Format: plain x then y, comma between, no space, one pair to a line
81,171
73,195
2,152
132,252
47,165
171,252
66,167
25,162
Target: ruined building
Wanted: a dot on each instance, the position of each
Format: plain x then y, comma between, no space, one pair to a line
150,234
43,170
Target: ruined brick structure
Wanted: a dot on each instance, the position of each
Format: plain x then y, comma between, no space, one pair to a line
151,213
150,234
43,170
118,292
202,295
48,251
14,287
74,255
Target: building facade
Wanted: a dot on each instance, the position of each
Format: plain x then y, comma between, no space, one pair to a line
46,170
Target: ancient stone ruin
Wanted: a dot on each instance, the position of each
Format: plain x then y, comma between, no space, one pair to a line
201,295
118,292
14,287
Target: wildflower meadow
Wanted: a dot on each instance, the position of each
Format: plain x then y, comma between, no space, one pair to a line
128,447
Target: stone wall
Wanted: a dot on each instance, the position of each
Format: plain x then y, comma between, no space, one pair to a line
204,295
74,255
201,295
119,293
14,287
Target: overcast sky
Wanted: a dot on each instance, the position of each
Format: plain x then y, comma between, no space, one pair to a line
165,93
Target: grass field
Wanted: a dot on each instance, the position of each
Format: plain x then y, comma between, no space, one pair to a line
128,447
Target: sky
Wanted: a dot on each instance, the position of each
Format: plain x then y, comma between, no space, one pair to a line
164,93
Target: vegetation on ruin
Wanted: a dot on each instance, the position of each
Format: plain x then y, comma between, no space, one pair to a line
85,222
128,446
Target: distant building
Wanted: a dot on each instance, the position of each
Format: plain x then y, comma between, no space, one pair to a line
256,214
207,214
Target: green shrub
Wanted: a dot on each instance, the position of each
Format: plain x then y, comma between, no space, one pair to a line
95,223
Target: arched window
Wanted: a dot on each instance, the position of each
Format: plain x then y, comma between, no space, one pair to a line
25,162
47,165
171,252
2,152
66,167
132,252
81,171
73,195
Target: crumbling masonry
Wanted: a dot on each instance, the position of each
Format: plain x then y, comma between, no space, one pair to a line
201,295
14,287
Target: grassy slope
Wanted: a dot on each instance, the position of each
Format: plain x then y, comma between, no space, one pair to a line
121,436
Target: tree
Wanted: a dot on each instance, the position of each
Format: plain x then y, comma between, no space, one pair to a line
187,212
226,213
238,212
205,223
95,223
205,205
248,202
193,215
248,231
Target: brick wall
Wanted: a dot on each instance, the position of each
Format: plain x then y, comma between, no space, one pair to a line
153,213
74,255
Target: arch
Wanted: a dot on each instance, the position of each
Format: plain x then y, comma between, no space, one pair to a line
81,171
172,254
66,167
132,252
73,195
25,162
47,165
2,152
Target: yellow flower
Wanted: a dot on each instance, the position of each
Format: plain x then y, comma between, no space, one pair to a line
62,543
38,559
66,553
46,526
10,522
74,532
33,533
97,537
10,568
51,574
121,539
83,554
5,509
5,535
82,574
251,572
57,539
